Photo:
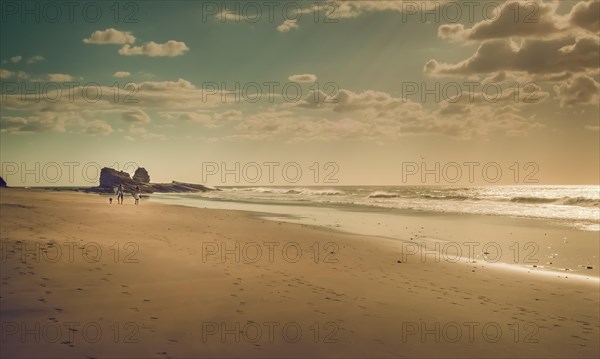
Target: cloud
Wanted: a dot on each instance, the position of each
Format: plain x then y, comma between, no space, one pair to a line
110,36
582,90
496,78
6,74
171,48
287,25
592,128
208,120
121,74
333,10
189,116
304,78
142,132
60,78
136,116
343,9
16,59
36,113
230,115
379,115
228,15
372,126
586,15
97,127
42,122
34,59
348,101
531,56
363,116
522,18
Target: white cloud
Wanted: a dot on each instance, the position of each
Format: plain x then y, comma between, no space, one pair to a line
142,132
34,59
228,16
97,127
523,18
121,74
377,115
171,48
207,119
532,56
229,115
42,122
60,78
69,111
196,117
303,78
110,36
287,25
16,59
6,74
581,90
135,116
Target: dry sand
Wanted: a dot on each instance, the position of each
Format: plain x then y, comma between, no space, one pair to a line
82,278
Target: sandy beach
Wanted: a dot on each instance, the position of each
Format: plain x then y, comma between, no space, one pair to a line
82,278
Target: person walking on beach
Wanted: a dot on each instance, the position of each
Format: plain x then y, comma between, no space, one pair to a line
120,194
136,195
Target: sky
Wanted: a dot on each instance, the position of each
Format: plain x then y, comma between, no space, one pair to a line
301,92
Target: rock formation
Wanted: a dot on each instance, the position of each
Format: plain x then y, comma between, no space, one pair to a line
110,179
141,175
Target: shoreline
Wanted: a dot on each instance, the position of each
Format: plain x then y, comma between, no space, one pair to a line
535,265
184,297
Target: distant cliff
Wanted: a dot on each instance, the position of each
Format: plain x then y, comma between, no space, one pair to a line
111,178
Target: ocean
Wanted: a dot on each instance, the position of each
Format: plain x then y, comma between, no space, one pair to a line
577,206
